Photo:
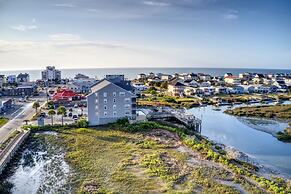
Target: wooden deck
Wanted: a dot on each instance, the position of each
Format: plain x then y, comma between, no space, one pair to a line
188,120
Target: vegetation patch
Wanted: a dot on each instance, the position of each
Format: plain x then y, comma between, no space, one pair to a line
271,111
3,121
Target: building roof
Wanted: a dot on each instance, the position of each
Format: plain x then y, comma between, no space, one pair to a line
104,82
64,94
175,82
23,75
232,77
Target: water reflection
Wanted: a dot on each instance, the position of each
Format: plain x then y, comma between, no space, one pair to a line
252,136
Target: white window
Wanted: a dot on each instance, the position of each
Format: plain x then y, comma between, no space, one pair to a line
126,106
105,101
114,94
105,113
127,100
105,94
105,107
96,101
114,100
114,107
96,94
114,113
96,107
121,93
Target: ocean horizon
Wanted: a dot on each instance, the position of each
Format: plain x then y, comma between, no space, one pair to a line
131,73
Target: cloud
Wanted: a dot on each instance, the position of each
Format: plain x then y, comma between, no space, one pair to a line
231,15
24,28
64,37
64,5
156,3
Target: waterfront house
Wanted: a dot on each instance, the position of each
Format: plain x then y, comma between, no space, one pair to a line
140,86
166,77
204,77
109,101
235,90
141,76
232,80
249,89
205,84
259,78
176,88
227,75
220,90
192,83
23,78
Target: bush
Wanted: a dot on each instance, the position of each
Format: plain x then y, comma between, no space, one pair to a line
82,123
122,122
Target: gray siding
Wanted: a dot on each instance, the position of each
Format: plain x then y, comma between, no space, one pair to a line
117,107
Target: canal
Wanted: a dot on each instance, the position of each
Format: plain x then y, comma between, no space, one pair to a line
249,135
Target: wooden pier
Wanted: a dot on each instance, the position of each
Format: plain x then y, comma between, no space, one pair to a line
188,120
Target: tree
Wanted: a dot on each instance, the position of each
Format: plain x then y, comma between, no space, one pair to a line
36,105
52,112
62,111
164,85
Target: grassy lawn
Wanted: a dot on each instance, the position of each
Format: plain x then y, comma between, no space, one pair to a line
3,121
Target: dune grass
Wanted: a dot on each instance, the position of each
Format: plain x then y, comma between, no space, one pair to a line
107,160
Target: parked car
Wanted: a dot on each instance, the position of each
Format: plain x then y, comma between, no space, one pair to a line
75,117
42,114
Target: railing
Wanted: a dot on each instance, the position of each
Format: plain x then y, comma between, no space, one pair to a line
11,148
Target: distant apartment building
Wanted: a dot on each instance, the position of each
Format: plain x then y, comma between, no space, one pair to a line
11,79
111,99
51,74
2,81
23,78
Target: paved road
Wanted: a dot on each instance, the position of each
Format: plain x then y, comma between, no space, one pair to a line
15,123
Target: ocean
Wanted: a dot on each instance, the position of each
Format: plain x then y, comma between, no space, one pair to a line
131,73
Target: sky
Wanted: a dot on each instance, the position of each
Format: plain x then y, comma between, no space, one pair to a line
145,33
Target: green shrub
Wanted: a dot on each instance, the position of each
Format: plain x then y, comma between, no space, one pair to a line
82,123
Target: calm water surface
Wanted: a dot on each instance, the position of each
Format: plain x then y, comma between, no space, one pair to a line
247,136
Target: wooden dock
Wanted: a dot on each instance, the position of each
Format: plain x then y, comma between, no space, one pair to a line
188,120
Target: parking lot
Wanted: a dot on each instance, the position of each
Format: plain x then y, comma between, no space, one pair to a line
73,114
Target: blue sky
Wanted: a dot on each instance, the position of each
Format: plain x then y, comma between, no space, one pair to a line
145,33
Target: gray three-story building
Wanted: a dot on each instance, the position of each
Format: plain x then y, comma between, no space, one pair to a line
110,100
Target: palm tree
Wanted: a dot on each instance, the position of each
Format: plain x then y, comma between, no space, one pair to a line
36,105
52,112
62,111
